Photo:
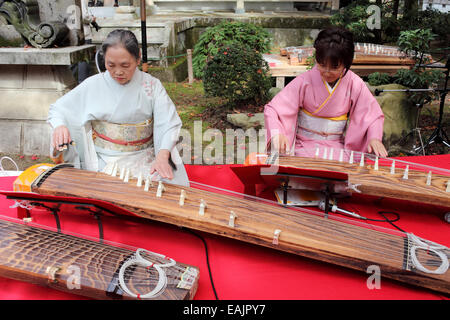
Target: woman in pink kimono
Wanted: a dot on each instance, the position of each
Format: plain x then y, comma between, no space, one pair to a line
328,106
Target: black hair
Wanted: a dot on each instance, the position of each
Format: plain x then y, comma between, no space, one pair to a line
124,38
335,46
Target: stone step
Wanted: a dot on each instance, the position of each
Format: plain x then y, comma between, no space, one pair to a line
156,34
222,6
157,38
239,6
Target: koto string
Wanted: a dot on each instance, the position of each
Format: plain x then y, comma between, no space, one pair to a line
392,253
87,262
386,162
346,240
120,185
63,239
395,253
71,245
110,275
58,256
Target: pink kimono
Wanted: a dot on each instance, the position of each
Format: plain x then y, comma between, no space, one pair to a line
307,98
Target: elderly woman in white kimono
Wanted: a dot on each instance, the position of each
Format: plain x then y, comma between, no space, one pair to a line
119,119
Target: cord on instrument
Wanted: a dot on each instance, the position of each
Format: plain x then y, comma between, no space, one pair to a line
207,258
386,219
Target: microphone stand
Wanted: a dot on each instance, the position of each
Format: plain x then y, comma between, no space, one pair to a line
144,35
438,135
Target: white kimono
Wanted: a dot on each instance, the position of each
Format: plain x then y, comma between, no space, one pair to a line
100,97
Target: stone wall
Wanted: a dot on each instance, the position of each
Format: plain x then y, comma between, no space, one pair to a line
30,81
399,114
27,92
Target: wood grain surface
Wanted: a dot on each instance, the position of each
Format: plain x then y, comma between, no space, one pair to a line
49,258
347,244
381,182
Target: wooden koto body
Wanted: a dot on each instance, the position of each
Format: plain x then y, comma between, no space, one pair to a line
382,182
351,245
80,266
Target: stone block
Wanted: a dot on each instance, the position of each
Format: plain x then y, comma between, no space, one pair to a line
36,138
173,73
399,114
10,136
29,105
156,33
12,76
47,56
28,91
245,121
40,77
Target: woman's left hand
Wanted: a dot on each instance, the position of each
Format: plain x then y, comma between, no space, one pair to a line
161,165
377,147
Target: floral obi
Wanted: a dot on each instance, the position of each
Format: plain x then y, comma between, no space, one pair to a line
122,137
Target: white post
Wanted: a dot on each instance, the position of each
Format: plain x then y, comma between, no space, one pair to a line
280,82
190,69
334,5
240,8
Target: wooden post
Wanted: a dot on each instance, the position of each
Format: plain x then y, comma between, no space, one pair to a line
144,36
189,63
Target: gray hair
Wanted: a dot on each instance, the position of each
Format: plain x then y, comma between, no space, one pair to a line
123,38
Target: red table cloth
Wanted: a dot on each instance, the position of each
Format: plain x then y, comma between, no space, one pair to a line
245,271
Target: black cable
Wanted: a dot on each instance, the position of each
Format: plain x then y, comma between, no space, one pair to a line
386,219
207,258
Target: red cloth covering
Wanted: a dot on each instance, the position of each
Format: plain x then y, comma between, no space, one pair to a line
246,271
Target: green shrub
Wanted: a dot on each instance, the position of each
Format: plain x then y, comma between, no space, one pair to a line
311,61
237,73
354,18
430,18
379,78
224,34
416,43
416,78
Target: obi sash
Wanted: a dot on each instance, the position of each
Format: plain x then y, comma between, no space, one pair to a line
319,128
122,137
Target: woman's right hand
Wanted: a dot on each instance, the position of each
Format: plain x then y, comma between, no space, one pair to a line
61,135
280,143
